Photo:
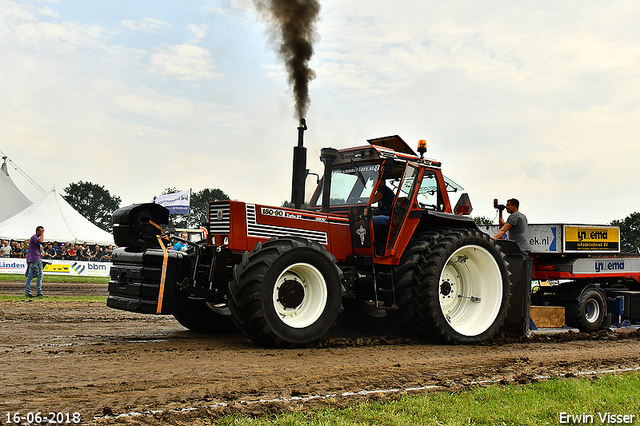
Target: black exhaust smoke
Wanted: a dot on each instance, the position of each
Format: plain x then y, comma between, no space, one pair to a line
295,30
293,33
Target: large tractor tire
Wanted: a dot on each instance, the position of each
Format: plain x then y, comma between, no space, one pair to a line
452,286
286,292
203,317
588,313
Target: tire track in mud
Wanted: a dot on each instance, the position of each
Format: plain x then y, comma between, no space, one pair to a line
17,288
242,405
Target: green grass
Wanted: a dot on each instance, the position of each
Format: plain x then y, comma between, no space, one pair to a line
47,299
56,279
532,404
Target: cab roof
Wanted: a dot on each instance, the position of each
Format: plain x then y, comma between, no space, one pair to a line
388,147
395,143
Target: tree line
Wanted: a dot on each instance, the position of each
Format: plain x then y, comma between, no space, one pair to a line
96,203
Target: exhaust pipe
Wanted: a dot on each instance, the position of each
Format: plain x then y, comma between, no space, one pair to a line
327,156
299,168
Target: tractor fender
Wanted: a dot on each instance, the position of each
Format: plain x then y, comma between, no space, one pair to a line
430,219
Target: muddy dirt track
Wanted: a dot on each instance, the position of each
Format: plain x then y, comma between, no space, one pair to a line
84,357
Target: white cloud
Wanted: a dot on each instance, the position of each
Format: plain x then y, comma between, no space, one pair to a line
230,8
58,36
22,29
46,11
150,103
183,61
148,25
509,41
199,31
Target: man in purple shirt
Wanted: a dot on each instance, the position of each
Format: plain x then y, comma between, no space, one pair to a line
34,262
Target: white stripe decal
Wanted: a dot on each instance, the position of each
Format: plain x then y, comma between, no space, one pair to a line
257,230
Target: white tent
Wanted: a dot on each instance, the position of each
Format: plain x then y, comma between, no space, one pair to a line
12,200
61,223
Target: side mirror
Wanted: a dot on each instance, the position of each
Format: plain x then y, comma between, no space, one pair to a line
463,206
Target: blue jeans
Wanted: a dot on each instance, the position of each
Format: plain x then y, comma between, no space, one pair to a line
34,270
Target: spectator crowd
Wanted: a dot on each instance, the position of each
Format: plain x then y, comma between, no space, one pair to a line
59,251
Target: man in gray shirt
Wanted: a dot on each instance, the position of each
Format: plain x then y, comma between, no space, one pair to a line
516,224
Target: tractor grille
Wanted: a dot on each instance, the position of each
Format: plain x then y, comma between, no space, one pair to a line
219,218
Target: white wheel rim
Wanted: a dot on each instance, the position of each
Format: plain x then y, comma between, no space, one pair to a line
313,300
470,290
591,311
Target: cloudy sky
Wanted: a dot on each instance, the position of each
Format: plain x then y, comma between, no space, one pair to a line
534,100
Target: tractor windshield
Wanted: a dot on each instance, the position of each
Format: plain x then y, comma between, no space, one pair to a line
351,185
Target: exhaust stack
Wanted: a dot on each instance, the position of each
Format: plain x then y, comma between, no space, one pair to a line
299,168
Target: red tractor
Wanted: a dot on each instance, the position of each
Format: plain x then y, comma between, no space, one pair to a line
379,230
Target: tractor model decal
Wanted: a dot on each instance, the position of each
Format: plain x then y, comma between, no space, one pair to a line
257,230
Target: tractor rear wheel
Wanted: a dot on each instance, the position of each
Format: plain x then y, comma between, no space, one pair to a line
452,286
286,292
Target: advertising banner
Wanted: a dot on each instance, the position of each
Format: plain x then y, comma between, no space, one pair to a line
177,203
606,265
542,238
591,238
57,267
559,238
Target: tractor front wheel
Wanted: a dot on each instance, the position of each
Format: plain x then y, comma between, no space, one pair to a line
286,292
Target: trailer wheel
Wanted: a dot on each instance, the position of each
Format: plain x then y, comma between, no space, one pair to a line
203,317
286,292
452,286
588,313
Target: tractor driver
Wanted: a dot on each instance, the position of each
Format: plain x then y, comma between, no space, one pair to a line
384,197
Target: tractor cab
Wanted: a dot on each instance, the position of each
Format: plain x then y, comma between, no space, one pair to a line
385,189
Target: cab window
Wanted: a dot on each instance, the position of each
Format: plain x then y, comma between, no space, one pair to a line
429,192
351,185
